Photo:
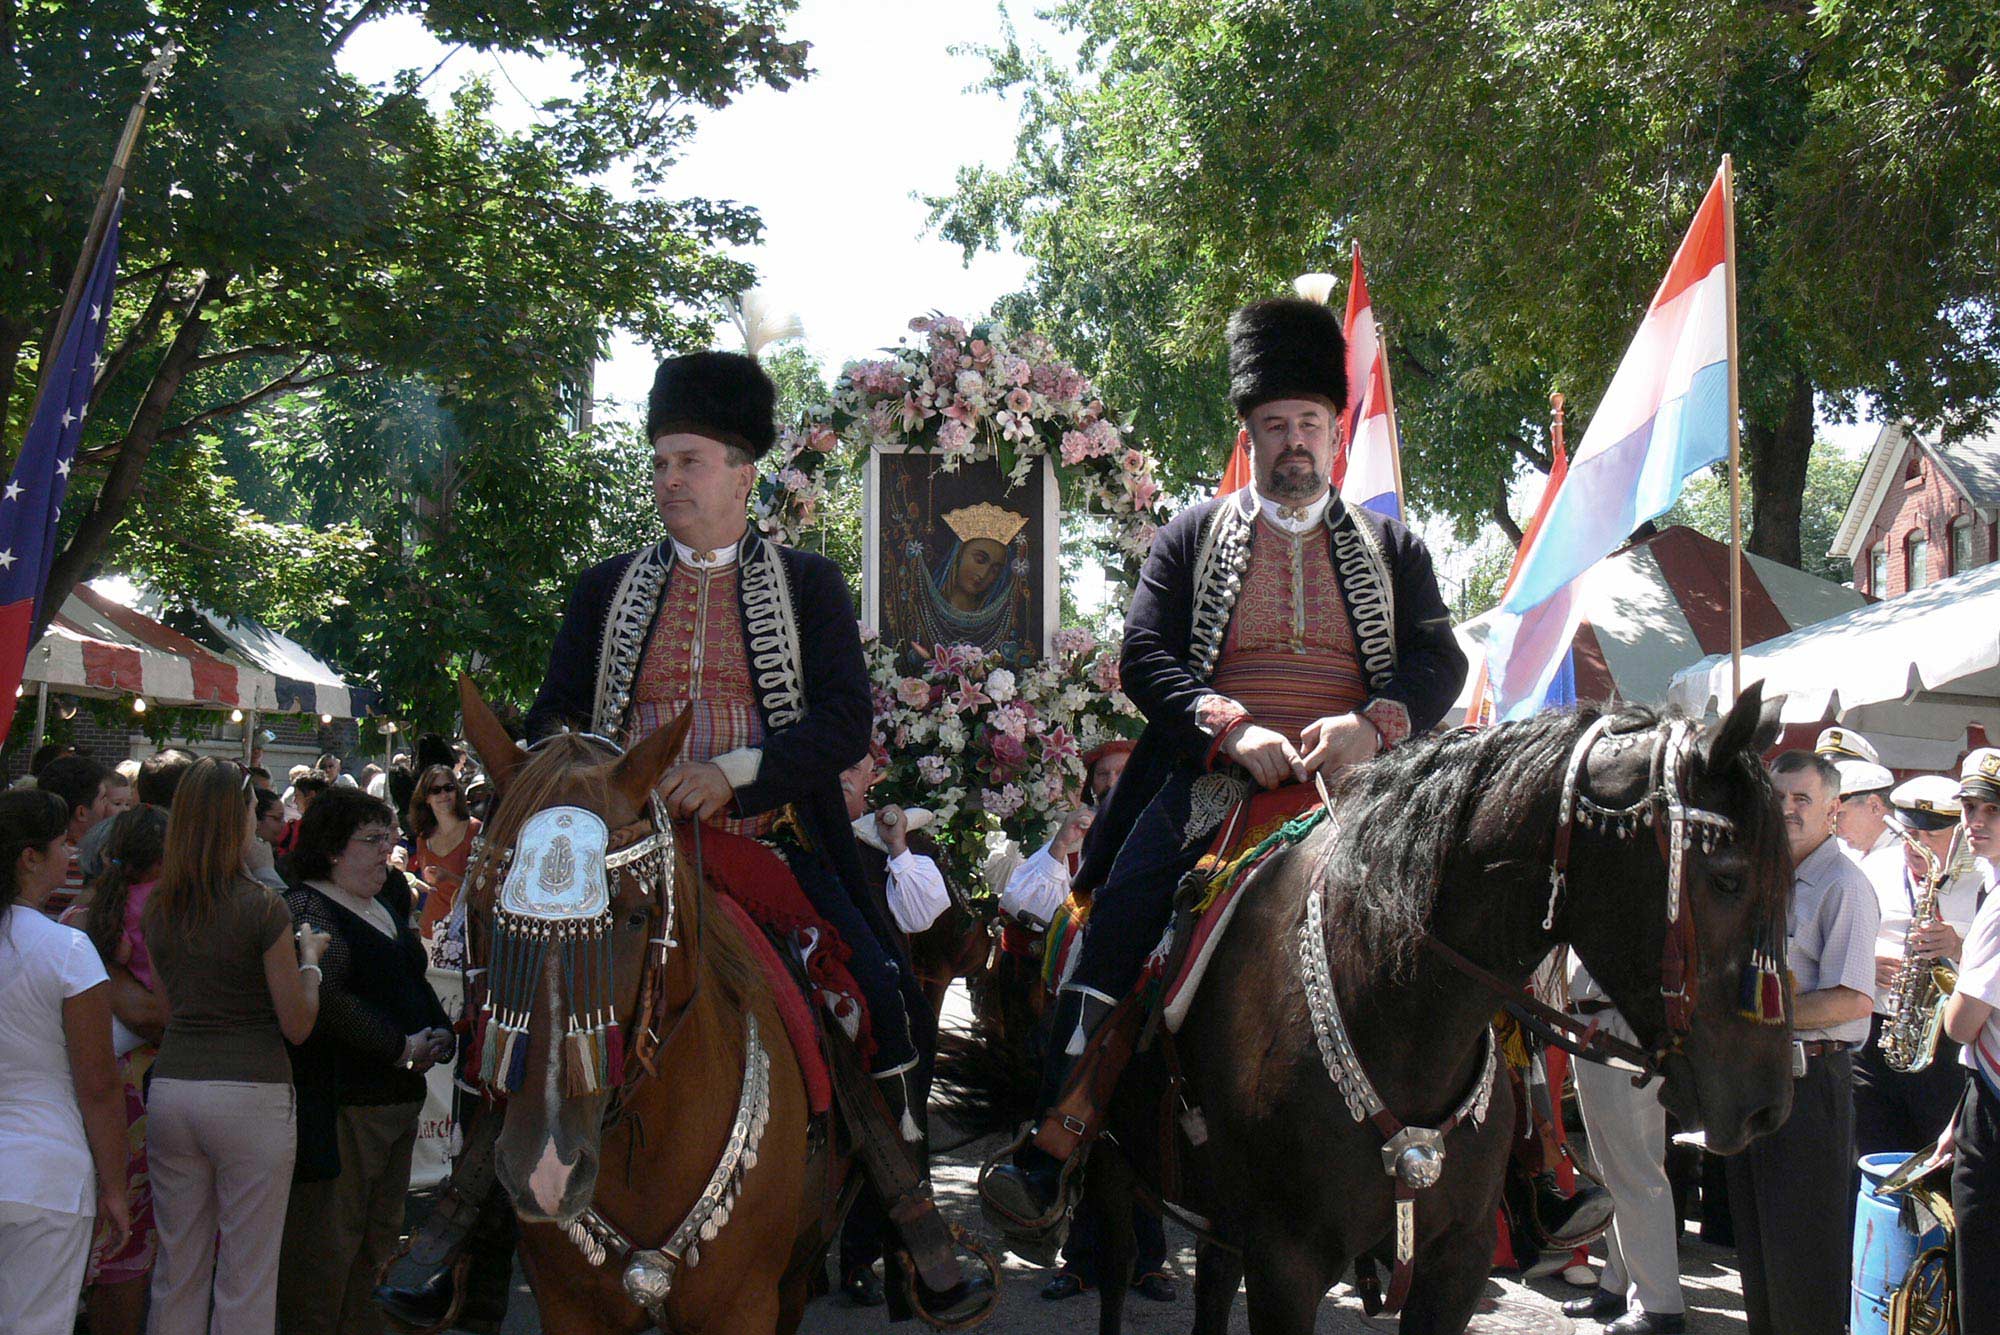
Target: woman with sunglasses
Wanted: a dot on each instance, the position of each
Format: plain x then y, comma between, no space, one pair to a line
361,1075
220,1116
444,828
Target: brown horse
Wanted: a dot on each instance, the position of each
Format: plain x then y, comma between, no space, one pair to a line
593,1173
1452,840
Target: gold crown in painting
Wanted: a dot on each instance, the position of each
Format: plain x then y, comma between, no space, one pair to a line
985,520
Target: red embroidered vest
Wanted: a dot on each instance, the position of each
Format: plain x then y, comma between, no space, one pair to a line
1289,656
695,658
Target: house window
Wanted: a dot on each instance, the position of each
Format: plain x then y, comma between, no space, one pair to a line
1913,471
1968,545
1916,561
1878,572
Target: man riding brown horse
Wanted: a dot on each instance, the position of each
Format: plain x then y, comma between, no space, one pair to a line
714,621
1276,632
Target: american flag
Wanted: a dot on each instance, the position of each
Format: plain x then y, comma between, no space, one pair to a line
32,502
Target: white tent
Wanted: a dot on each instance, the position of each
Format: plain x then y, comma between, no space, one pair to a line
1912,672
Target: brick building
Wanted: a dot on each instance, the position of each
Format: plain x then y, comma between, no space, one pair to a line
1922,511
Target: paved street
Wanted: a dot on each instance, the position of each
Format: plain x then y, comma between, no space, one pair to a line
1714,1293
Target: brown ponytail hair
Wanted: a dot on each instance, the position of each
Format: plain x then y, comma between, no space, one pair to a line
132,853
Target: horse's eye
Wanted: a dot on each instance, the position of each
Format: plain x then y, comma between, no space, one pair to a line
1727,883
635,920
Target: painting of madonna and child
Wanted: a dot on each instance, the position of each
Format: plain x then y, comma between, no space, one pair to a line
960,557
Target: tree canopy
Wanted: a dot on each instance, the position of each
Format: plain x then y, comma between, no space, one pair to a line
1517,173
406,297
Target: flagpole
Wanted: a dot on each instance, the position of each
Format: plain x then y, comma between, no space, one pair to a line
1735,448
157,69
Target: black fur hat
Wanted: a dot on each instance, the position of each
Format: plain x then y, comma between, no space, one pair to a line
1286,348
722,395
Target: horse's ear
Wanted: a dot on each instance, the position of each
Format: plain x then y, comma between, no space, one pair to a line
1751,726
639,771
501,754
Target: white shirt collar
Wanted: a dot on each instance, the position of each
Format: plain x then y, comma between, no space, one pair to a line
715,560
1296,519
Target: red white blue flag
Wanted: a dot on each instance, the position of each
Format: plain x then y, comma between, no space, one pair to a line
1665,417
32,502
1373,474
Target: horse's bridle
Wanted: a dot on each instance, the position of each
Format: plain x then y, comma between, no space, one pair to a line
646,848
1679,827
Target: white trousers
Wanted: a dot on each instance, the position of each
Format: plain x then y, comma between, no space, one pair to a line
1628,1148
42,1259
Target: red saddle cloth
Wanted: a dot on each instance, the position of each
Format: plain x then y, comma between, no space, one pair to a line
1229,864
756,883
800,1026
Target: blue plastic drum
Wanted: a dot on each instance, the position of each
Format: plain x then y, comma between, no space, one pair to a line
1884,1246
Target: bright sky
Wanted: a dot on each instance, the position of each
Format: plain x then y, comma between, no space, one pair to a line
835,166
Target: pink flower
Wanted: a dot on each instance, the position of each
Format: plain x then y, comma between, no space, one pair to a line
1009,722
1009,751
966,698
885,700
1076,447
1075,640
914,412
934,770
823,438
1104,673
921,325
982,352
1003,802
961,411
953,658
1133,462
955,438
914,692
791,479
1144,492
1020,400
1058,746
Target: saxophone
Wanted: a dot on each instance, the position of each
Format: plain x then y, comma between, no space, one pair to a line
1916,1004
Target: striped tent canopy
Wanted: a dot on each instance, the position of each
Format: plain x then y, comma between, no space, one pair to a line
108,641
1661,604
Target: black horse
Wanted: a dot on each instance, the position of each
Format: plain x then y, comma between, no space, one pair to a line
1451,840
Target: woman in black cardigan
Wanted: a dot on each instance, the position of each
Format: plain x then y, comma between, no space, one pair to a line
360,1075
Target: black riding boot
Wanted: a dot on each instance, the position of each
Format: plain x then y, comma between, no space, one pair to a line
1028,1188
946,1295
488,1281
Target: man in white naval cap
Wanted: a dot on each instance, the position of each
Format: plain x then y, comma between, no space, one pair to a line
1862,822
1979,805
1901,1111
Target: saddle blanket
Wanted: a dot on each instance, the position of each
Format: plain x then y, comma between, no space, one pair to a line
758,881
1259,827
799,1024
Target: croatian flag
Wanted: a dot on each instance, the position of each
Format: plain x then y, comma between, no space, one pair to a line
33,499
1665,416
1373,478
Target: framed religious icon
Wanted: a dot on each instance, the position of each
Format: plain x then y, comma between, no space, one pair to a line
960,557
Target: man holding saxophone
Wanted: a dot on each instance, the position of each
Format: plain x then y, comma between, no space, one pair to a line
1907,1079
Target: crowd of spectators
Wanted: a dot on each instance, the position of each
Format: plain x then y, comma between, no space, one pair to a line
214,1031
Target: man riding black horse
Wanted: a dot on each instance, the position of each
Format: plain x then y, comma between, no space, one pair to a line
1276,632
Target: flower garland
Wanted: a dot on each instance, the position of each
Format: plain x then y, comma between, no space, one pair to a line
968,394
996,752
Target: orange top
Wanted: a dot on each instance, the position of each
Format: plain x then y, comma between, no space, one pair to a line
444,873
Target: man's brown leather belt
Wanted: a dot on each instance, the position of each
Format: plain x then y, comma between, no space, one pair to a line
1820,1047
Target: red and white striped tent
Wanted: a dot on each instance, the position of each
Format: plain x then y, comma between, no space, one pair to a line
101,645
1661,604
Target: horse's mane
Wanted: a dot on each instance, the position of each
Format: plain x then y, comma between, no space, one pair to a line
568,770
1404,817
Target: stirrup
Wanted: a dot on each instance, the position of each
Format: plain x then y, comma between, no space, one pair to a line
913,1292
1046,1229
